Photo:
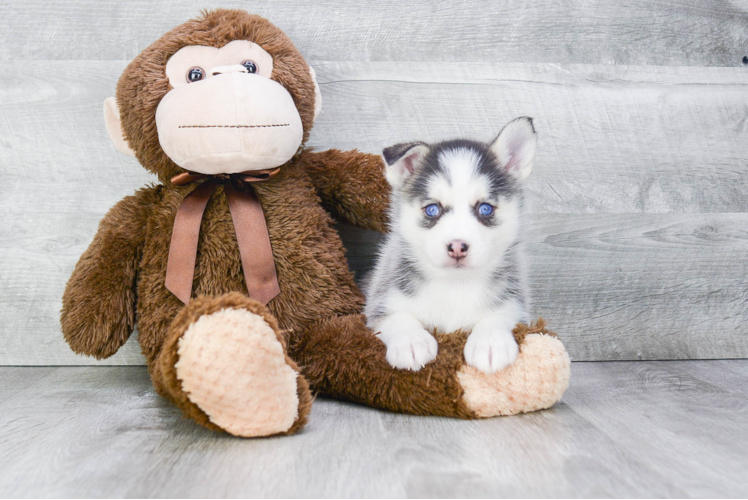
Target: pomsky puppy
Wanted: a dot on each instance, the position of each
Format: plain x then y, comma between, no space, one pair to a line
452,259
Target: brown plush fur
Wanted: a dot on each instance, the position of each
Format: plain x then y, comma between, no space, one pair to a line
144,82
536,327
120,278
164,371
342,359
336,358
347,192
98,313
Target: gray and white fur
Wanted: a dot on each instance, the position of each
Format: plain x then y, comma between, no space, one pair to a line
452,259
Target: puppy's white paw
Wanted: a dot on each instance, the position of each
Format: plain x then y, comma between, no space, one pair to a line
411,350
490,352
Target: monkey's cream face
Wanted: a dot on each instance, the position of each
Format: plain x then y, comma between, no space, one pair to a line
224,114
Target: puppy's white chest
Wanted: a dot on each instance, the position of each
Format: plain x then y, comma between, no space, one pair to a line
444,305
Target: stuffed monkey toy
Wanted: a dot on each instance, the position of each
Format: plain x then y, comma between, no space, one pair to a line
231,267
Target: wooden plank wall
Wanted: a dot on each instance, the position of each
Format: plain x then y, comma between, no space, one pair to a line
640,214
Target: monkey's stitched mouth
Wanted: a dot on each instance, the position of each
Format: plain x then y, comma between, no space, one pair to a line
236,126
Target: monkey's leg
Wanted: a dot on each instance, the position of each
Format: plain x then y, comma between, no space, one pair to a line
343,359
224,364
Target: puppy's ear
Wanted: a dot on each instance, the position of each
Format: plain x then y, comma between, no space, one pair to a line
402,160
515,147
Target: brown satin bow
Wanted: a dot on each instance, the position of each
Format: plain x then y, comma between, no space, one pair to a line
249,224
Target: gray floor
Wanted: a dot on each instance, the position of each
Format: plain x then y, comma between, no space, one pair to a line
662,429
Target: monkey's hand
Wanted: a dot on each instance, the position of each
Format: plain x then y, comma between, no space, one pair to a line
352,185
98,306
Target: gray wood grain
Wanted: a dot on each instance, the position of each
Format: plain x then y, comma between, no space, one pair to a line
635,429
646,286
638,246
612,139
666,32
666,286
634,286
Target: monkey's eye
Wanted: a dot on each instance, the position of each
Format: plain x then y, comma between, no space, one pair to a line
432,210
195,74
485,209
250,66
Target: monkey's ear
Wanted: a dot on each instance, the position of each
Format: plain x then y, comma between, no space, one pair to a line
114,127
317,94
402,160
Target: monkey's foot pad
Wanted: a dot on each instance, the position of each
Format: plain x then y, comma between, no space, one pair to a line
233,367
536,380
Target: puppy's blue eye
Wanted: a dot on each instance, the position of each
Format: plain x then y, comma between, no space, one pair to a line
432,210
485,209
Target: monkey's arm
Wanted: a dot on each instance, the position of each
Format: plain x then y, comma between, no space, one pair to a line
98,306
352,185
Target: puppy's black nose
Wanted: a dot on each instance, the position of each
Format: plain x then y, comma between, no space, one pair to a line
457,249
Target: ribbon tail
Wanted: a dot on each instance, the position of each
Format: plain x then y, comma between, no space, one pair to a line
180,268
254,243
